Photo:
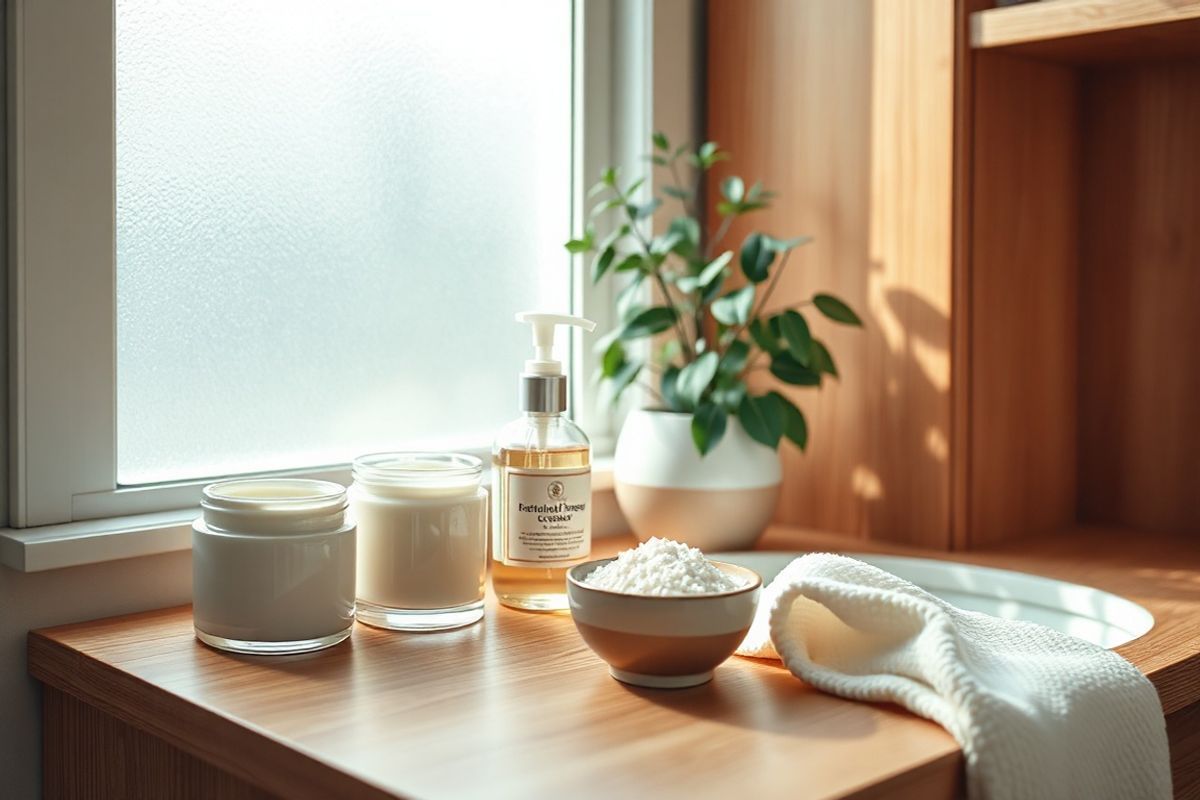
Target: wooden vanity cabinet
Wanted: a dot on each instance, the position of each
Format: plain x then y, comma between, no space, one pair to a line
1011,197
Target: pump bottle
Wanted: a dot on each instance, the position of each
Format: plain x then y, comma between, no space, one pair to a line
541,483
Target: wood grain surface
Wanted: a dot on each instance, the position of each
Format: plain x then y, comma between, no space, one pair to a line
1092,30
514,707
518,707
845,110
1139,434
87,753
1024,277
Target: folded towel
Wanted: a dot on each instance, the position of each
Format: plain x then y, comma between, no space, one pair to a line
1038,713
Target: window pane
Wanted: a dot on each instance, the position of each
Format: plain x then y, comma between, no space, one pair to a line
327,214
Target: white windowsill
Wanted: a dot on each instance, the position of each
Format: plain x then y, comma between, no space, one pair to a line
93,541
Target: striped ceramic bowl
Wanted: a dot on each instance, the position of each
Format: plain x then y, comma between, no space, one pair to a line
663,642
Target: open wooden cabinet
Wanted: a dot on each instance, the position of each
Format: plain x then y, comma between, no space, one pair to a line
1011,196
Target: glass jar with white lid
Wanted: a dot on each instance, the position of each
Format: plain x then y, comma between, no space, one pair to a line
273,566
422,528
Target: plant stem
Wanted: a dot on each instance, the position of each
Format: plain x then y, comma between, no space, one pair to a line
762,301
654,392
726,221
770,288
662,285
691,212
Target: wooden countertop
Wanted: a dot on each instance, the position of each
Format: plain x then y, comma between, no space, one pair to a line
518,707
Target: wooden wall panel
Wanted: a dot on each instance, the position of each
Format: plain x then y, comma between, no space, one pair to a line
87,753
845,109
1139,430
1023,299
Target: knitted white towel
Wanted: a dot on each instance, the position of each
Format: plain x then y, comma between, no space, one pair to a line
1038,713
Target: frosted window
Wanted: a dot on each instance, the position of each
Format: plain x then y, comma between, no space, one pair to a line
327,214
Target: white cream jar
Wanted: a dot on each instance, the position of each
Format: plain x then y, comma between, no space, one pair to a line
273,566
422,539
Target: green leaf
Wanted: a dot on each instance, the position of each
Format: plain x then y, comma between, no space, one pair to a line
794,426
714,268
735,358
667,389
579,245
688,228
649,322
661,245
709,293
836,310
613,360
614,237
677,193
711,271
695,377
634,261
626,375
755,191
733,188
607,205
645,209
659,161
760,332
602,262
783,245
668,351
734,308
660,141
756,258
762,417
820,359
785,367
609,177
796,334
707,155
730,397
708,426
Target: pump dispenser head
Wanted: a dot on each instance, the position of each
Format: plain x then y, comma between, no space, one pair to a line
543,385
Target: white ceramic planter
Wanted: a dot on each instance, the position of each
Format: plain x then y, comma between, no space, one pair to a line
722,501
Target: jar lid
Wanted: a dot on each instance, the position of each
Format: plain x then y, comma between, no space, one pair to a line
274,505
418,469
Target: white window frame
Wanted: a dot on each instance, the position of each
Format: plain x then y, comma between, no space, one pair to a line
61,149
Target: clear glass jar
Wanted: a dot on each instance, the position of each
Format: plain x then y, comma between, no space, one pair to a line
273,566
422,534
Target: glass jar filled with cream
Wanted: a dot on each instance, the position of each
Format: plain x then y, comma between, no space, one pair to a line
273,566
422,538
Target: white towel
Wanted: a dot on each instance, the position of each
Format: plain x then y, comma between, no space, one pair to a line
1038,713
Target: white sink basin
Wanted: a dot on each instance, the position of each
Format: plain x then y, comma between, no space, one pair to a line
1091,614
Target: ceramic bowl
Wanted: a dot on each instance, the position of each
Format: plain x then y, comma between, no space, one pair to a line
663,642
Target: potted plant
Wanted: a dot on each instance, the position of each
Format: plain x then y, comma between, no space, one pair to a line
701,465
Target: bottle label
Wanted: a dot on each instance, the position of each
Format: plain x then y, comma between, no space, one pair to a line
549,518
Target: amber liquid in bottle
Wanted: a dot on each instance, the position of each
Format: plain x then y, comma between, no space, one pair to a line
530,588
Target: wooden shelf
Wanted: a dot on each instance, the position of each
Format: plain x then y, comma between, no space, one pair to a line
1092,30
516,706
519,707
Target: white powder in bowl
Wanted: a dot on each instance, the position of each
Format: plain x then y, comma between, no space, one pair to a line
661,567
